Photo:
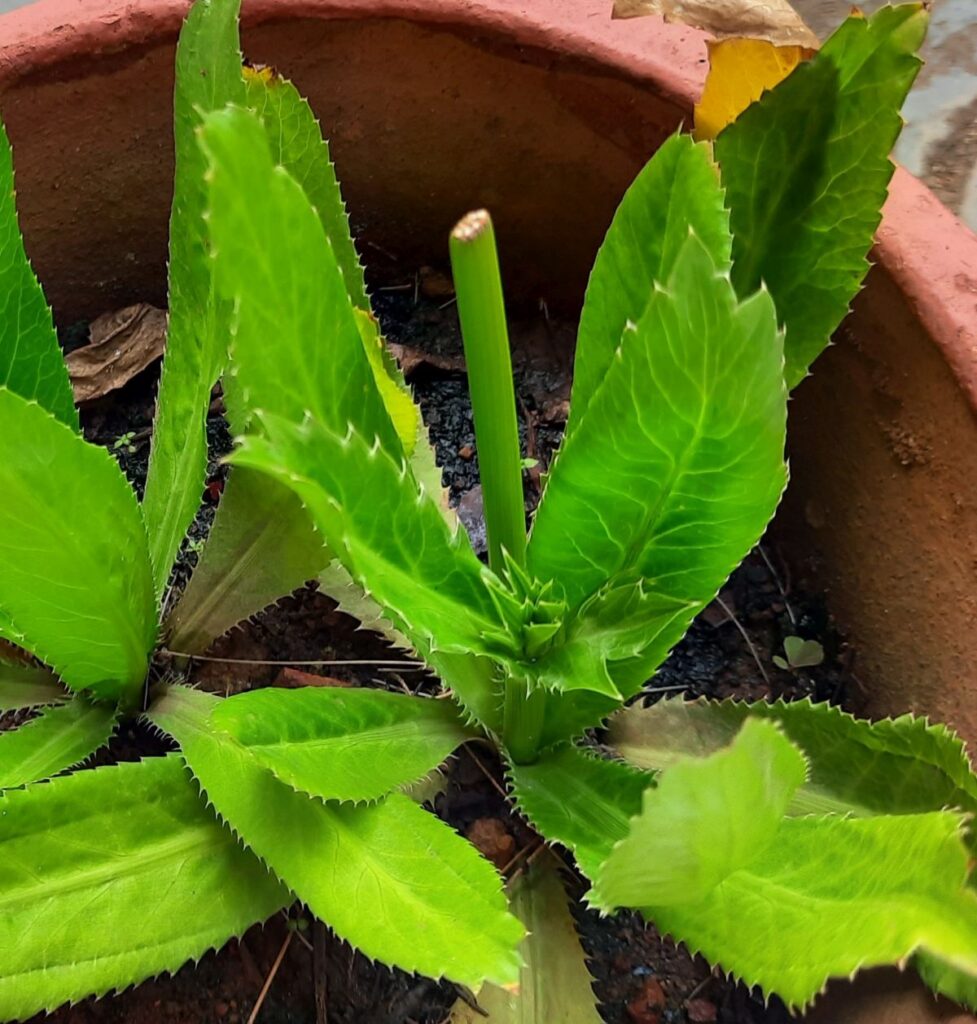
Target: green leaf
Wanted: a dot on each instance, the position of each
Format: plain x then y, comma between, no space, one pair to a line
677,191
342,744
75,575
387,528
352,600
554,983
947,980
802,653
59,738
583,802
806,170
297,145
31,363
387,877
673,474
706,819
27,686
261,546
788,902
112,876
274,261
604,648
393,541
208,76
897,766
837,896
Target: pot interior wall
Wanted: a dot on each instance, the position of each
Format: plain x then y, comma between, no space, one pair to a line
426,124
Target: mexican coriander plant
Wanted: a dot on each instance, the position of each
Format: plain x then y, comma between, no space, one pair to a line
787,842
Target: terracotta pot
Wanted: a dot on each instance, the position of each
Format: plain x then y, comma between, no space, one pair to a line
544,110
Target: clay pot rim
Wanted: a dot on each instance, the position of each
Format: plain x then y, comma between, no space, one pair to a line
928,252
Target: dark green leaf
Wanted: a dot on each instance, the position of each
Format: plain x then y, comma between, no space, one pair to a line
58,738
27,686
806,170
896,766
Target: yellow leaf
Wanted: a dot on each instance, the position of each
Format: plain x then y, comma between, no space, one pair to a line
396,395
740,71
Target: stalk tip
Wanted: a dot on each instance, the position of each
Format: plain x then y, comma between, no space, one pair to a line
472,226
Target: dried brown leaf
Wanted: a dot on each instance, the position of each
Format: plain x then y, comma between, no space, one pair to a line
773,20
410,358
122,344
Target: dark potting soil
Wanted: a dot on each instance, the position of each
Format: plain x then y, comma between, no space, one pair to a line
640,977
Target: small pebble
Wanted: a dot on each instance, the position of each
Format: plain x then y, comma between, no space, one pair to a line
647,1006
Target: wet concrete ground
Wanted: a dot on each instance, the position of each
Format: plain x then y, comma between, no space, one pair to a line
939,143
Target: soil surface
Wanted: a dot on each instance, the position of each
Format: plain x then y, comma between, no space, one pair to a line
640,977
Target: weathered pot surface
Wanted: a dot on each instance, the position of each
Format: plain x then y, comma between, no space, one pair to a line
544,111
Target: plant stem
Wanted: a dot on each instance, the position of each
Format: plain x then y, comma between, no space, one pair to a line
522,720
478,286
481,309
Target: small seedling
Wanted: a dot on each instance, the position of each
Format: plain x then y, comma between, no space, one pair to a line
799,653
124,442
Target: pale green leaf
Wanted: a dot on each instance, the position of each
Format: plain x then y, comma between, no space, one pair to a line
788,902
554,983
803,653
897,766
75,576
387,877
352,600
261,546
208,76
111,876
342,744
27,686
31,363
706,819
677,191
58,738
673,474
579,800
806,170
